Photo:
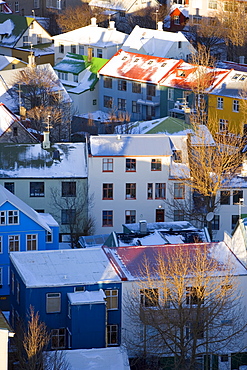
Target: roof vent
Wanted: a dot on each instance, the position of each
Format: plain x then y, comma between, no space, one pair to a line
111,25
160,26
46,142
93,22
143,226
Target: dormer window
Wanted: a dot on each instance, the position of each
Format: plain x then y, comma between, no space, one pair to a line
136,60
181,73
150,62
236,76
124,57
163,64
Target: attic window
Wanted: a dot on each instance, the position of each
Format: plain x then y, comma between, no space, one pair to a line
181,73
124,57
242,78
236,76
150,62
163,64
136,60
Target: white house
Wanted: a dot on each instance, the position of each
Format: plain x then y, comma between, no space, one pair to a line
90,40
158,43
123,7
132,176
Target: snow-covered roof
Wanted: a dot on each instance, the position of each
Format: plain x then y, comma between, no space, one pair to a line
226,64
233,85
5,61
154,42
86,297
31,160
130,260
94,36
131,145
64,267
12,27
138,67
110,358
49,219
7,196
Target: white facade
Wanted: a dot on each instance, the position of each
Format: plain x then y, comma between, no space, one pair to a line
124,182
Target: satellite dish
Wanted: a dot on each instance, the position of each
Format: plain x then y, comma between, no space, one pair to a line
210,216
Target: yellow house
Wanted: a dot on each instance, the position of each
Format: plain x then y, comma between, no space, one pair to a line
7,63
227,104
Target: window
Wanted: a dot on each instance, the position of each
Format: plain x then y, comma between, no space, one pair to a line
68,216
1,277
229,7
53,302
220,103
150,191
31,242
237,195
61,49
176,19
13,217
37,189
81,49
75,78
17,7
121,104
99,53
1,244
130,165
111,299
107,165
17,291
225,197
94,101
49,237
130,191
179,190
3,217
107,82
107,219
58,338
212,4
15,131
195,330
178,215
179,44
10,186
149,297
107,191
235,219
68,189
112,335
216,222
171,94
224,358
223,125
159,215
130,217
108,100
63,76
194,295
79,288
136,87
235,105
122,85
25,41
39,39
150,90
156,164
56,4
135,107
14,243
160,190
73,49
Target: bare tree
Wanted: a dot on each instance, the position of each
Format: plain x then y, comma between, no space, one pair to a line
74,209
56,360
187,304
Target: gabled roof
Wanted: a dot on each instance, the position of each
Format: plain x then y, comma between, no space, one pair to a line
130,145
5,8
153,42
117,5
64,267
13,26
129,261
94,36
5,61
65,160
233,85
7,196
139,67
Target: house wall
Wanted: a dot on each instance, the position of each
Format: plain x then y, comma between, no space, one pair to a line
32,32
46,203
21,135
86,102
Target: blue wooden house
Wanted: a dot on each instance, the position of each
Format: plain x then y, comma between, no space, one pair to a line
21,229
77,293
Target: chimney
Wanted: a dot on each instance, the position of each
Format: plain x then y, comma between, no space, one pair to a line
111,25
31,60
46,142
160,26
89,54
241,59
143,226
93,22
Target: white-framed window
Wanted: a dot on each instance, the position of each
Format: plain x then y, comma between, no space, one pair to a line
179,190
13,217
99,53
3,218
36,4
171,94
31,242
212,4
112,335
220,102
235,106
111,299
107,165
61,48
17,291
63,76
58,338
73,49
14,243
223,125
1,276
81,49
17,9
55,4
149,297
176,19
49,237
194,295
53,302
